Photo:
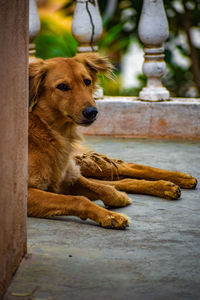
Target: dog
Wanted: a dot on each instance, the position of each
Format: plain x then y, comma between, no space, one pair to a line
63,179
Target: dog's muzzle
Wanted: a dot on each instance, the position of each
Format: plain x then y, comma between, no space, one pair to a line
90,113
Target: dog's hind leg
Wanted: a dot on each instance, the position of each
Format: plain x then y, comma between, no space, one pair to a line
159,188
183,180
99,166
100,191
46,204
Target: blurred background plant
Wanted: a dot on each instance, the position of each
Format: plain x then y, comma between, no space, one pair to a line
54,38
120,19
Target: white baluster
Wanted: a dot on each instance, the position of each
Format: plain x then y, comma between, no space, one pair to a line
87,25
153,31
87,29
34,25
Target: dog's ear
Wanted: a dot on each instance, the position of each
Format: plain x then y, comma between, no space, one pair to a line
37,73
95,64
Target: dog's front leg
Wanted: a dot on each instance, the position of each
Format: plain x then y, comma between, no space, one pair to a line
46,204
100,191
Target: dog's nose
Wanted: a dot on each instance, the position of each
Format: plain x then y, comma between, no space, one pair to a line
90,112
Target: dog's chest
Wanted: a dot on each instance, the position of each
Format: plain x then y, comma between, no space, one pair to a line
60,163
50,157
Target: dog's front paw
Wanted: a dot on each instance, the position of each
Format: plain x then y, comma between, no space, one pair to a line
115,221
116,199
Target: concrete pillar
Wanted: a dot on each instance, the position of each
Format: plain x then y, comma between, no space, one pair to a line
153,31
13,136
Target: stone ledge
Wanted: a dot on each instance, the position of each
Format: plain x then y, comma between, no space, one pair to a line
131,117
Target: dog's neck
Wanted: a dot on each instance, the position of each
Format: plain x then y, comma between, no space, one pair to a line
56,121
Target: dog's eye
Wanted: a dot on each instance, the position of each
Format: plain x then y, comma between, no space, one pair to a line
63,87
87,81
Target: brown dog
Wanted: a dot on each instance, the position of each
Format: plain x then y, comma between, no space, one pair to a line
60,99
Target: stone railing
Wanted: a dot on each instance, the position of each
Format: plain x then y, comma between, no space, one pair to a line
153,31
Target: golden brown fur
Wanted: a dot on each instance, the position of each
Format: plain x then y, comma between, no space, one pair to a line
60,99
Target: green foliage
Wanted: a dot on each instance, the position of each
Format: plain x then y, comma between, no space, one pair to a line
114,87
50,45
52,41
121,28
178,80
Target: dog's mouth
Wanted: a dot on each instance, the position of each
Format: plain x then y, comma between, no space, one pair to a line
86,122
83,122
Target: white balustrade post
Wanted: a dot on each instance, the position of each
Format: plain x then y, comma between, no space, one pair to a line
87,29
87,25
34,26
153,31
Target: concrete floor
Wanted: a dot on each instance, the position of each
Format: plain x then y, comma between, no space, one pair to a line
158,257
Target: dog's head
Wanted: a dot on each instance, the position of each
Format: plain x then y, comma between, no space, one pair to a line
66,85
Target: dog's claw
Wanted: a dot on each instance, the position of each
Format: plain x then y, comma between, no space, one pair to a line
173,192
113,223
